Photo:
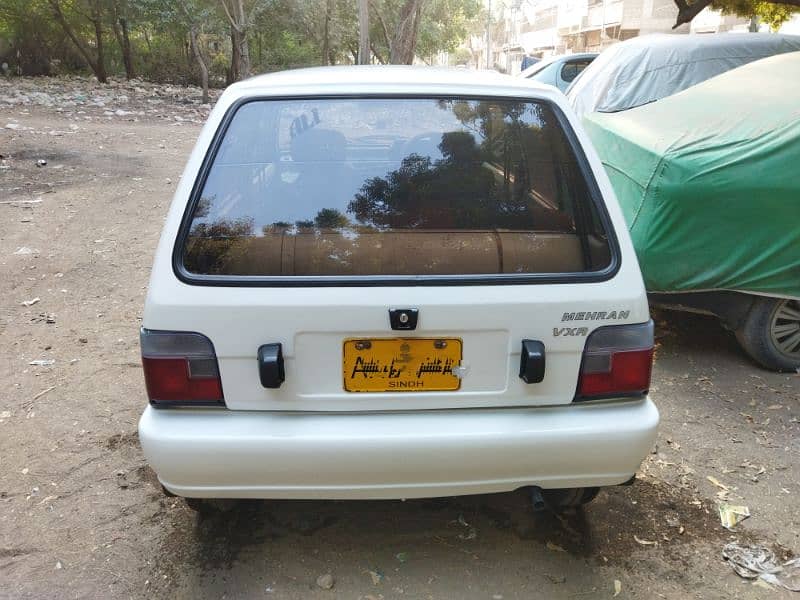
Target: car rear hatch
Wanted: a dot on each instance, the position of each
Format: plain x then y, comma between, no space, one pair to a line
395,254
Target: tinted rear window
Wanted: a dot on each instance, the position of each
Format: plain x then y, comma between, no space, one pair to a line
406,187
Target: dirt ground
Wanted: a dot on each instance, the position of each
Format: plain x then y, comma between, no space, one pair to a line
82,516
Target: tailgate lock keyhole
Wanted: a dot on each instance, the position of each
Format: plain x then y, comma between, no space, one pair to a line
404,319
531,362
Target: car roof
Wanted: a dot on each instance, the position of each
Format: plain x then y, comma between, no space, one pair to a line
665,42
377,75
376,79
644,69
533,69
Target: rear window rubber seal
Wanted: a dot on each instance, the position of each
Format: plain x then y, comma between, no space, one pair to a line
292,281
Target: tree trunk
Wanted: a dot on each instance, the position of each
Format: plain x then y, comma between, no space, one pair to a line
236,61
147,40
97,21
244,56
119,25
363,32
326,34
240,50
201,62
127,54
405,38
120,29
97,66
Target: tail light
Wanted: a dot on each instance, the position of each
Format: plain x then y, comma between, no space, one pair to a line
617,361
180,369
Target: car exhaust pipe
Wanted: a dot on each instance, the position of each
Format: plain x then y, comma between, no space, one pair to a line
537,500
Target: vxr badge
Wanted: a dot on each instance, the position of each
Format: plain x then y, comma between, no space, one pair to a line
566,331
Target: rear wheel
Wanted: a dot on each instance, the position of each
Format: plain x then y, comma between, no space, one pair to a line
569,497
771,333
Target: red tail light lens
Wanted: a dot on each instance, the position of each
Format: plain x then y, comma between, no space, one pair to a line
617,361
180,369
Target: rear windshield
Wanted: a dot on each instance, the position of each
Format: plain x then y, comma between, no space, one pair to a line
398,187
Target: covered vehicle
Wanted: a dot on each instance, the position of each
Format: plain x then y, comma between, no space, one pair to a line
651,67
708,182
559,71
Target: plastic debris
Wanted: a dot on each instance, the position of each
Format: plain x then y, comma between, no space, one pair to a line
325,581
730,515
554,547
758,562
41,162
376,576
30,302
402,556
471,533
22,250
617,587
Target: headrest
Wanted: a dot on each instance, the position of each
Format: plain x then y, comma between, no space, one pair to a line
318,145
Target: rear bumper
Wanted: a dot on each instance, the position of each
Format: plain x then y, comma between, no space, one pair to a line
238,454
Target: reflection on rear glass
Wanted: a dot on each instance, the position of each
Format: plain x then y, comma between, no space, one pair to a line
394,187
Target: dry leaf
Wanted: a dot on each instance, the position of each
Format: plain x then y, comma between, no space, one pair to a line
554,547
717,483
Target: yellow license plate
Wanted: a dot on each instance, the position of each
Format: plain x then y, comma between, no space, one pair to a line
401,364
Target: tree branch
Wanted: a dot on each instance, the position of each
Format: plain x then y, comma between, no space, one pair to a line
228,14
381,59
384,29
62,20
687,12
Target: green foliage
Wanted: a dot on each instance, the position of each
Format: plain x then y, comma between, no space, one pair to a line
28,31
282,34
445,24
771,13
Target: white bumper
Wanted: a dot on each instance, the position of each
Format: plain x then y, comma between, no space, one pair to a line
238,454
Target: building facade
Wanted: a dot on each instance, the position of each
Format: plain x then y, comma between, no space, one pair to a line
541,28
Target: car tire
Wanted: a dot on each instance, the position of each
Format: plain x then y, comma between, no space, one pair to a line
559,499
210,505
770,333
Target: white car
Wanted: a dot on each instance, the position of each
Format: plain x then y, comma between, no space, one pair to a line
559,71
395,282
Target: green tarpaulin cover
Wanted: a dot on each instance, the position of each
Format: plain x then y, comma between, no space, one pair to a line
709,180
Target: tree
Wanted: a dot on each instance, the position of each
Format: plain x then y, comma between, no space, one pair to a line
241,18
195,15
772,12
119,24
91,10
419,27
399,29
31,37
447,23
